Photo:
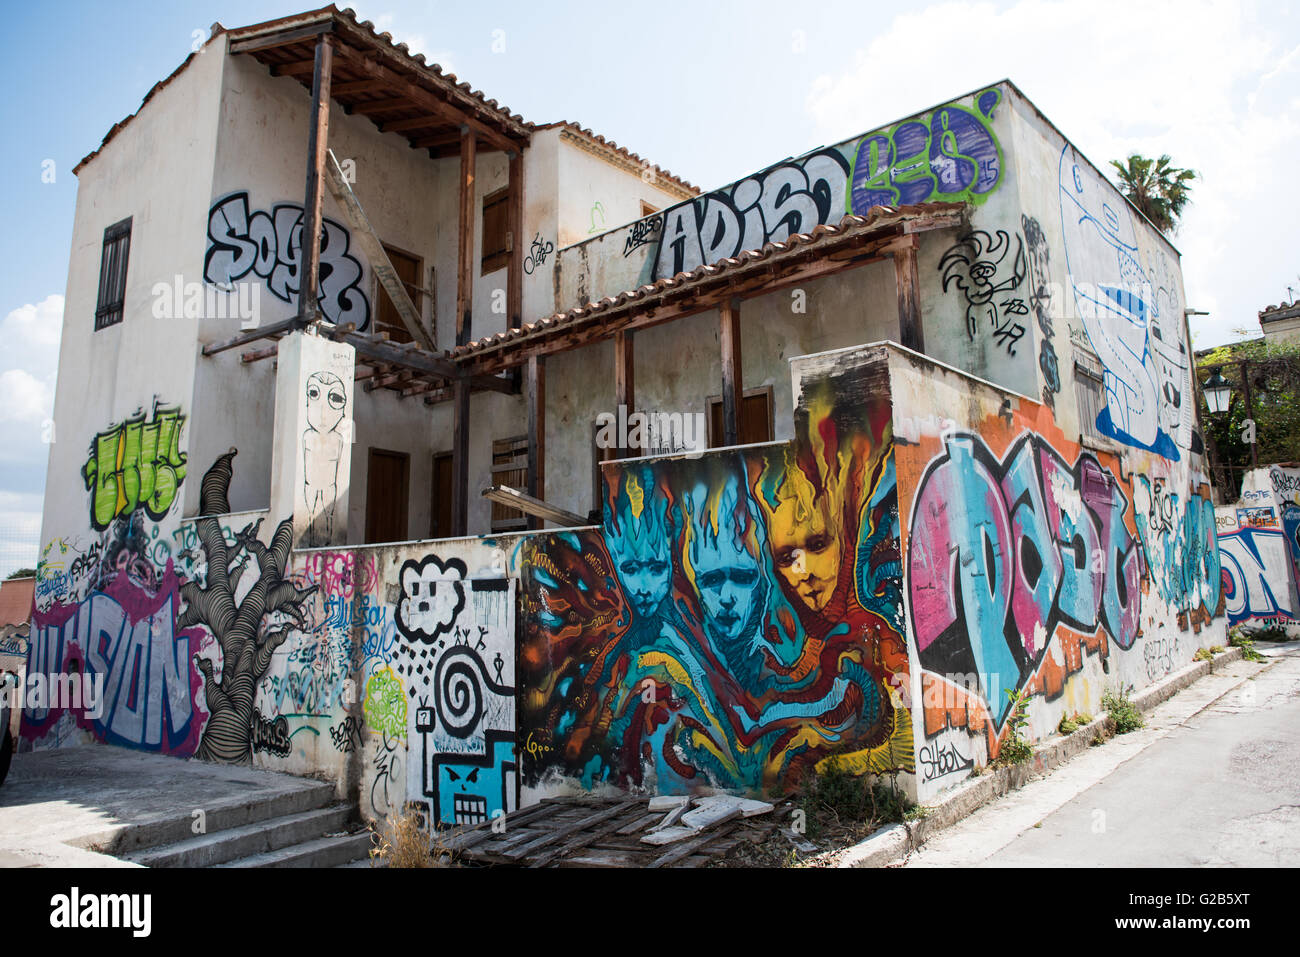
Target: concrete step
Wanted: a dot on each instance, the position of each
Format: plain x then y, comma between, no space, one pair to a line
228,844
177,826
329,851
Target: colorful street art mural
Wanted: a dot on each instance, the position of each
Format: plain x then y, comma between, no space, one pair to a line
948,155
456,654
734,623
1133,315
1259,543
136,464
1036,566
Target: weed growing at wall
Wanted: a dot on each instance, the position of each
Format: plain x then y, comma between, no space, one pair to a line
836,800
1071,723
403,841
1203,654
1238,638
1016,749
1125,713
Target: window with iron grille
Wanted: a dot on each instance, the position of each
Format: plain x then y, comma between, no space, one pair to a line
112,274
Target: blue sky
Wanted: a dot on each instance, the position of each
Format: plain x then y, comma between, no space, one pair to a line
711,91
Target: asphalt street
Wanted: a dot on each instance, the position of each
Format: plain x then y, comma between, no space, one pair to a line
1213,780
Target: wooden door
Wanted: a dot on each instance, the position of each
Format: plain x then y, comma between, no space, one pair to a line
387,496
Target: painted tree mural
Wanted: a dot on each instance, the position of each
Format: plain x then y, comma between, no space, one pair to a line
247,631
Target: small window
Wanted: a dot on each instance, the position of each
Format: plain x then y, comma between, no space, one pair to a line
755,417
647,209
112,274
1090,390
509,467
496,252
387,318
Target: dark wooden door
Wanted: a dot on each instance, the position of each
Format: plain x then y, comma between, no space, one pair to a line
387,496
755,420
440,497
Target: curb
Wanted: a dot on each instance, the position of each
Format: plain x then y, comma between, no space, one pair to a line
893,842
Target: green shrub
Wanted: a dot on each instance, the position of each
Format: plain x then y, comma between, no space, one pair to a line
1123,711
1202,654
1015,749
835,796
1071,723
1238,638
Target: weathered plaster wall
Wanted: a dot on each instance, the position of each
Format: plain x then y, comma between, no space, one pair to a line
678,365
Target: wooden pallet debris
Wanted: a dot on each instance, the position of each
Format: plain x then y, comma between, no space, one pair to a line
611,832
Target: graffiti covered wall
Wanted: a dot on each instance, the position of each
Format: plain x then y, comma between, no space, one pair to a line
1259,545
1036,565
952,153
734,622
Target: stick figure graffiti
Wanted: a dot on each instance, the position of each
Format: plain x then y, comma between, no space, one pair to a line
322,447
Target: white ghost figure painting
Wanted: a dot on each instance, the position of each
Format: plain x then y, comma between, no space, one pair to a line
322,448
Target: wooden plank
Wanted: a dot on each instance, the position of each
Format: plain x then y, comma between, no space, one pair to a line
261,332
710,815
583,839
513,820
505,495
365,236
358,86
624,381
384,105
640,823
455,113
460,459
465,238
414,123
909,297
314,199
515,853
369,347
281,38
294,68
536,390
687,848
515,238
732,384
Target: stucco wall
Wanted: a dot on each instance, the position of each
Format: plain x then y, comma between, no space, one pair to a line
1259,545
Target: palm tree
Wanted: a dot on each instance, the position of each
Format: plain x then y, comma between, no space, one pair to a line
1156,187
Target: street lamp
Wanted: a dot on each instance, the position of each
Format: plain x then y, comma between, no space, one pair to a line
1218,391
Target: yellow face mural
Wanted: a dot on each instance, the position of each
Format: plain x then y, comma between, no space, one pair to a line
806,549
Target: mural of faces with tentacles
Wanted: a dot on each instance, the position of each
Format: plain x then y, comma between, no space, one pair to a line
636,529
326,401
723,557
805,541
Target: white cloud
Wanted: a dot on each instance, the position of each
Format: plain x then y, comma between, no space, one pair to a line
30,362
1208,82
20,531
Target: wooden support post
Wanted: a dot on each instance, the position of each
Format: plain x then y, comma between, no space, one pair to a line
314,200
460,458
536,432
909,298
515,225
624,381
465,239
732,384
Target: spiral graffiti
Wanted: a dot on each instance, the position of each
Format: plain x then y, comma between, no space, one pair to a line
459,692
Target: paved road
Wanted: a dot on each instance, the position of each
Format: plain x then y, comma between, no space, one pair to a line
1214,780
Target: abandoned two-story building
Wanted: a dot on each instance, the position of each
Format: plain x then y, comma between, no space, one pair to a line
829,462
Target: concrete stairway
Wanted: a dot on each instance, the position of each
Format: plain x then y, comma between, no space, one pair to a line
301,828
